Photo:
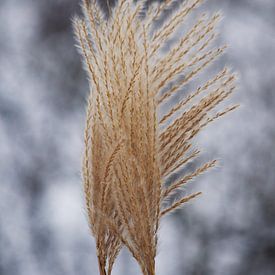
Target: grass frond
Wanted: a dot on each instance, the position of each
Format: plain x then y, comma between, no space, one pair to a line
129,150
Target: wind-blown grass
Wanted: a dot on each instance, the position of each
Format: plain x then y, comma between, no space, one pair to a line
129,149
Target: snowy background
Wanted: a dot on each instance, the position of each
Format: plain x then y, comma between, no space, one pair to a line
230,230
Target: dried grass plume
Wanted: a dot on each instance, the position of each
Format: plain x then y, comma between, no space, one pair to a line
130,149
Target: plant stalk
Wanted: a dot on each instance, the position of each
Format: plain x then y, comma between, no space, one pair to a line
101,267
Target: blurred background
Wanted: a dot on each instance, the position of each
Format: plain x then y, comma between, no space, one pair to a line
230,230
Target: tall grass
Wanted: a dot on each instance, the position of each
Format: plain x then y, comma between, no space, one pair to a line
130,149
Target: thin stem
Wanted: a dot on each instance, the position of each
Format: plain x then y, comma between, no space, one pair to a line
101,267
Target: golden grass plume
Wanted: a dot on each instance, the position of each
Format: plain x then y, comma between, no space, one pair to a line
129,148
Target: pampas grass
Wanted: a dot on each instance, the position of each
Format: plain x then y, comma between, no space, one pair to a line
130,149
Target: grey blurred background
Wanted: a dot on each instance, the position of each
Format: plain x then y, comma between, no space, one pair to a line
230,230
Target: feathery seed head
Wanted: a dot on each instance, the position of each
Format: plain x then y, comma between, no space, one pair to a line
129,149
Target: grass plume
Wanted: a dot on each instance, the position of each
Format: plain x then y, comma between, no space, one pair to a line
130,149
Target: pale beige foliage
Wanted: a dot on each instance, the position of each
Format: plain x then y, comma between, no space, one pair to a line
129,150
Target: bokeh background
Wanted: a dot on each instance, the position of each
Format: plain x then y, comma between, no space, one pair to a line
230,230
